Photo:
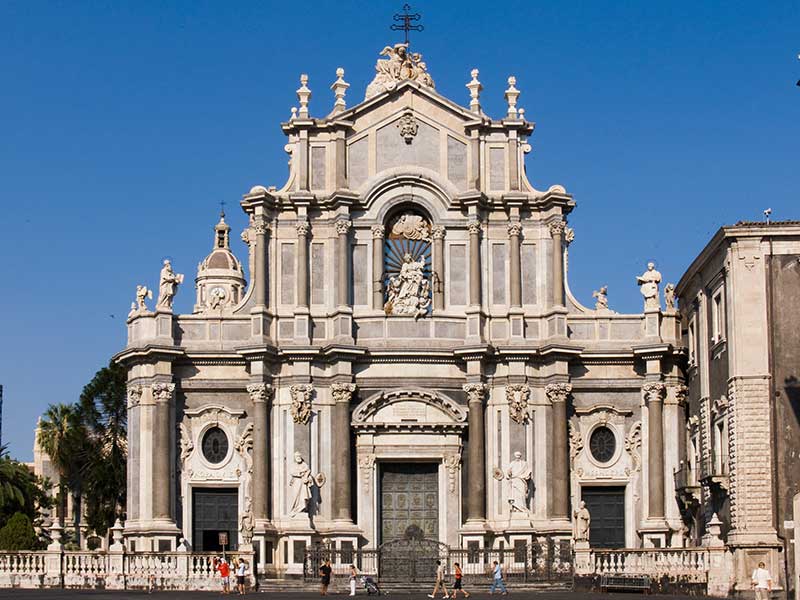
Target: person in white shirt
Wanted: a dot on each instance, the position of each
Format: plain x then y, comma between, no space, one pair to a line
762,582
440,583
241,571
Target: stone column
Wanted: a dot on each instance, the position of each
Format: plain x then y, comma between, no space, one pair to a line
341,392
343,262
514,232
378,231
557,231
162,471
474,227
557,394
260,395
476,468
654,393
437,232
260,227
302,264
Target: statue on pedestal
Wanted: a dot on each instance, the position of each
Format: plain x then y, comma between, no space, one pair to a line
168,286
669,296
648,282
602,298
519,475
303,483
580,527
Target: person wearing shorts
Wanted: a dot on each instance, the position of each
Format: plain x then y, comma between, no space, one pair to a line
225,575
241,571
457,583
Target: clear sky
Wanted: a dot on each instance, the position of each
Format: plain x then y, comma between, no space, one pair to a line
124,124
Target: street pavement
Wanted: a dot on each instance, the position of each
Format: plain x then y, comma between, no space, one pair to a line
477,594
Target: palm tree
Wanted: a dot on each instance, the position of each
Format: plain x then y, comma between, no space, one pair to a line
12,484
62,438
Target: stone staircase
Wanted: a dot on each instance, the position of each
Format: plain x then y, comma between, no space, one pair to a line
339,587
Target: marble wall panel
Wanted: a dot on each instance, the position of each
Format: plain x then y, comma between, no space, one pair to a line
357,162
318,273
398,329
318,157
499,254
528,266
393,151
457,163
360,275
450,330
497,169
287,273
457,274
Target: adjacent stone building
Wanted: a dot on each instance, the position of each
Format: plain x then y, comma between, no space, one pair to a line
739,305
400,354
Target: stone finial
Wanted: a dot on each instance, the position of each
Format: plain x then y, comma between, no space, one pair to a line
339,88
475,89
303,96
511,95
294,114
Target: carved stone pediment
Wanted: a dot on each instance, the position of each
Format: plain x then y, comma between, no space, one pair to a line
215,413
409,409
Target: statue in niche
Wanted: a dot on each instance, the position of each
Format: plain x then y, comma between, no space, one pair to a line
519,476
648,283
168,285
303,483
409,291
247,523
581,524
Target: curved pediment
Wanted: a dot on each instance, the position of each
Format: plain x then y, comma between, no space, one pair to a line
409,409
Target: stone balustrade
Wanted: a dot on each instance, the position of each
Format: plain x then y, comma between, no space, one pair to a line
687,563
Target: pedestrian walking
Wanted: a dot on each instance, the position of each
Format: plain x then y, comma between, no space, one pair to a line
224,570
241,571
762,582
440,583
325,578
497,579
459,575
353,579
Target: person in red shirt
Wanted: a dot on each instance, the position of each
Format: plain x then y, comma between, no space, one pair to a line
225,574
457,585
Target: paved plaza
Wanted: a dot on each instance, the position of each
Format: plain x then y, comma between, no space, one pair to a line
57,594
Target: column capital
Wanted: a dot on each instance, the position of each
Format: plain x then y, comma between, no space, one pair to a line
514,228
302,228
343,226
476,392
569,235
474,227
557,227
557,392
437,232
162,392
260,392
301,402
681,392
134,395
260,225
654,391
342,392
378,231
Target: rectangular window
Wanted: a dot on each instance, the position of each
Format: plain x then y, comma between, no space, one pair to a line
520,548
692,341
717,317
719,448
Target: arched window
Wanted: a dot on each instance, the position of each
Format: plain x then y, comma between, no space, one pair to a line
407,264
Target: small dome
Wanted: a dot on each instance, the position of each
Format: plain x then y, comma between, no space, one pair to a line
258,189
221,258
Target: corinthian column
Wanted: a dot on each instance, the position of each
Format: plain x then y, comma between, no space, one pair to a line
260,395
474,227
343,261
260,227
378,231
514,232
654,393
476,468
557,394
302,264
342,393
162,465
437,232
557,231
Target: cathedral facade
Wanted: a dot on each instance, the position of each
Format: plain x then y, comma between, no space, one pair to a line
400,353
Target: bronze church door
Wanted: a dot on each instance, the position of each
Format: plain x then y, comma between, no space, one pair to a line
607,507
215,511
409,501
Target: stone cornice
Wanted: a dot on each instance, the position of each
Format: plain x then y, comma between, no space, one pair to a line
148,353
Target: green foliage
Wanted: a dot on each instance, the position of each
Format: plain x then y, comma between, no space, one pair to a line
20,490
18,534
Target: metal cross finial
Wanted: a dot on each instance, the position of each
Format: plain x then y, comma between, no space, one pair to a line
406,17
222,208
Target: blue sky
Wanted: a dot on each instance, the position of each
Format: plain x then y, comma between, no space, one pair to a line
124,124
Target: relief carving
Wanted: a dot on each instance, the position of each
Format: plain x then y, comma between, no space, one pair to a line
517,395
452,463
366,462
162,392
134,395
633,444
575,442
301,403
399,65
408,126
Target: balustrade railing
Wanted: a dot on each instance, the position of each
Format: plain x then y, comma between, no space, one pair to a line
22,563
691,563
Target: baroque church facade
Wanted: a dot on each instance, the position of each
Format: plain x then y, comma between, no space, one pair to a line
400,353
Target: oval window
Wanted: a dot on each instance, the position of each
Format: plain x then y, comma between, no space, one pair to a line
603,444
215,445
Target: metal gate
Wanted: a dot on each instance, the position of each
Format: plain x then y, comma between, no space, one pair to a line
411,560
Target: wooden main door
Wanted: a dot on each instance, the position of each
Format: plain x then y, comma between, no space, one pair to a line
215,510
607,508
409,501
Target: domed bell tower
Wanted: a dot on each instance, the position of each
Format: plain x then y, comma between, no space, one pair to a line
220,279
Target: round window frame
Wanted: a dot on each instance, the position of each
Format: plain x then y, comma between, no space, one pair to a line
618,447
202,436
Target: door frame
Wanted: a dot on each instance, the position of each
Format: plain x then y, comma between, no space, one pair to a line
379,492
627,502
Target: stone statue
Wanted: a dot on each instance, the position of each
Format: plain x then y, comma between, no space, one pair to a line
302,481
602,298
168,286
247,523
519,475
648,282
142,292
398,65
409,290
412,227
301,402
581,523
669,296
